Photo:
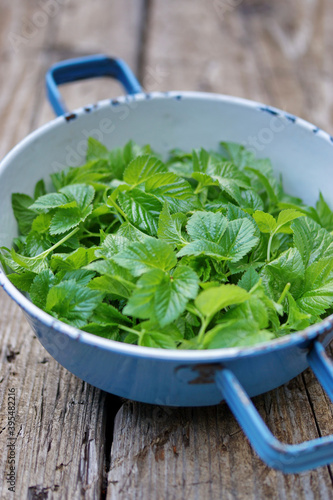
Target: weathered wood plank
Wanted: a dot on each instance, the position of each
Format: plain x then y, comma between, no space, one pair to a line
61,422
202,452
230,47
20,61
111,28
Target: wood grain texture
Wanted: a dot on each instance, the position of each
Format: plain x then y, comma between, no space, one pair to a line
194,453
111,28
262,51
60,420
232,47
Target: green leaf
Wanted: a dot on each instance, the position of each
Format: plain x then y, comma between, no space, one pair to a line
112,245
106,313
174,293
72,302
40,287
141,168
36,243
203,162
23,214
132,150
8,262
251,201
41,223
206,248
227,170
168,187
305,209
74,260
170,226
81,276
236,333
325,213
141,257
107,266
96,150
315,302
268,182
241,267
157,340
161,296
142,209
40,189
207,226
230,187
115,285
312,241
52,200
254,309
287,268
141,302
249,279
127,230
68,218
265,222
213,300
238,239
82,194
23,281
317,294
238,154
318,273
117,162
105,330
33,264
297,320
203,180
286,216
90,173
234,212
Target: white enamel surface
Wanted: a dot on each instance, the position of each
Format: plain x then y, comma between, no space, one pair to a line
302,156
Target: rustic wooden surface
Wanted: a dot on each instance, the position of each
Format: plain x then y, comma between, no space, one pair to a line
275,52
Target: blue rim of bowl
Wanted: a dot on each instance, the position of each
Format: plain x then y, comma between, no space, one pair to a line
209,355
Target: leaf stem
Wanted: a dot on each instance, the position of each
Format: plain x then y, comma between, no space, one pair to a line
121,214
202,330
130,330
193,310
56,245
126,282
198,189
269,246
90,235
112,224
284,293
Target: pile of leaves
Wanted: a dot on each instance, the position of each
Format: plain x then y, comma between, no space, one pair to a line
204,250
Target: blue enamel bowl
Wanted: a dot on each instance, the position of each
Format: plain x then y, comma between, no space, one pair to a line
301,152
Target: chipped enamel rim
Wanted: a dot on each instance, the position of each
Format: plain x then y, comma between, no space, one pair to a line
34,312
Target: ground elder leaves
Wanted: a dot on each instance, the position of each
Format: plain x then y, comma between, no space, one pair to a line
204,250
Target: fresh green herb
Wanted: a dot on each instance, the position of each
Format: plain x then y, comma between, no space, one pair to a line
202,251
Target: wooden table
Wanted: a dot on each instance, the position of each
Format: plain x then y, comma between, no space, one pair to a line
74,441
